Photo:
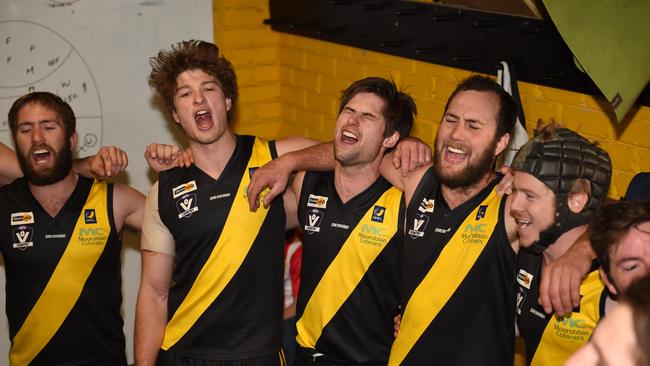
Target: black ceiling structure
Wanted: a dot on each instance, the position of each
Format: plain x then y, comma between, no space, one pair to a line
461,38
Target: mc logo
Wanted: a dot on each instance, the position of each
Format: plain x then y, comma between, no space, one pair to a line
478,228
373,230
92,232
573,323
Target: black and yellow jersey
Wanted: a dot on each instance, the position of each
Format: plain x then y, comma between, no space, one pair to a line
349,289
225,302
549,339
458,281
63,277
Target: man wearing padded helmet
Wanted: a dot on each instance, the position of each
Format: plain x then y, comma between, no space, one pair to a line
560,181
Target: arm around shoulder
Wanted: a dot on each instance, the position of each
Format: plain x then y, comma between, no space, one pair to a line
10,168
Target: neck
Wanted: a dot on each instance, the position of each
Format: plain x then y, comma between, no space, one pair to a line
53,196
212,158
562,244
354,179
457,196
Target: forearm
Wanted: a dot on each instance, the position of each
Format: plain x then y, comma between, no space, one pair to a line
150,321
81,166
317,157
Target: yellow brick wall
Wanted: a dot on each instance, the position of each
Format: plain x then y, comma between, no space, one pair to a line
290,85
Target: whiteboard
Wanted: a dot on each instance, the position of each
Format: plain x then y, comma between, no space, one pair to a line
95,55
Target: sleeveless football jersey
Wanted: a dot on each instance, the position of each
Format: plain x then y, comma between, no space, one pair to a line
551,340
226,296
63,277
349,290
458,281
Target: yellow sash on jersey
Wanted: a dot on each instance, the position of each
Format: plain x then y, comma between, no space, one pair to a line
446,274
359,251
236,239
62,291
562,337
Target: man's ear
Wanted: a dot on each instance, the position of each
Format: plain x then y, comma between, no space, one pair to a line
228,104
391,141
577,201
608,283
502,144
175,117
73,141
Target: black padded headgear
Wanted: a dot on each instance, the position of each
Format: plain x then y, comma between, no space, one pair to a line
558,161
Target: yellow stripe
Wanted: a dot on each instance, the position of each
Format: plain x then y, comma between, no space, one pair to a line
563,337
347,269
236,239
66,283
444,277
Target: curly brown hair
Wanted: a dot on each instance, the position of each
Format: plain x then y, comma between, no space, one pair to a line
190,55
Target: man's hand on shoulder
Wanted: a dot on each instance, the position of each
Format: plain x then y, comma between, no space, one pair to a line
559,288
108,162
162,157
273,175
411,153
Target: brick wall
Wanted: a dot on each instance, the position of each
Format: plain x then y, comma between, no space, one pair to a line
291,85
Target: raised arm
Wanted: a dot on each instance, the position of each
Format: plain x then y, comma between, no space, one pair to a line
559,289
9,169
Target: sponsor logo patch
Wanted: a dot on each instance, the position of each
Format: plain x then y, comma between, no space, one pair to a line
317,201
524,278
22,237
378,213
89,216
420,223
426,205
22,218
313,220
184,188
186,206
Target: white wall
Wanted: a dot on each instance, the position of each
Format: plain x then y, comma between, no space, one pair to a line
95,53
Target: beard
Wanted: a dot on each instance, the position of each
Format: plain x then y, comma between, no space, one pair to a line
471,174
60,169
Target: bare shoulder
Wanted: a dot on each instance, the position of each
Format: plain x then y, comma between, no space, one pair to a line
128,206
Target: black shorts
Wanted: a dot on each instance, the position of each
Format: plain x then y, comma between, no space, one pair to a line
170,358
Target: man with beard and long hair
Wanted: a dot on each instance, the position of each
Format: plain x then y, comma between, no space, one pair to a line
458,292
60,244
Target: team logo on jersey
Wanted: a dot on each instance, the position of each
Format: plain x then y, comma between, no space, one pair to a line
426,205
23,237
524,278
22,218
89,216
317,201
420,223
313,220
184,188
186,206
481,212
378,213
